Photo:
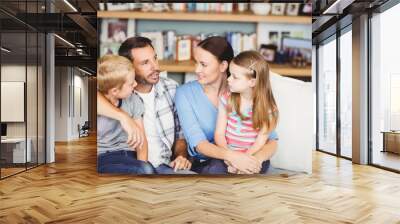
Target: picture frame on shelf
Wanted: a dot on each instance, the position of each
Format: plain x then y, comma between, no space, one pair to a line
116,30
278,9
292,9
268,52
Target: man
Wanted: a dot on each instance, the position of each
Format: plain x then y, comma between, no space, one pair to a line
162,128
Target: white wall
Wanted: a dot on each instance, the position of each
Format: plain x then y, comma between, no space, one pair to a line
69,85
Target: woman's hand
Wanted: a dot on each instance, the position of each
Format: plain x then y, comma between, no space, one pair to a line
180,163
245,163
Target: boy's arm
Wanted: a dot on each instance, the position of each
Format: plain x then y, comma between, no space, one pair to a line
142,151
105,108
220,129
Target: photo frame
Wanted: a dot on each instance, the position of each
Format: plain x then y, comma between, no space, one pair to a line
116,30
292,9
278,9
268,52
273,37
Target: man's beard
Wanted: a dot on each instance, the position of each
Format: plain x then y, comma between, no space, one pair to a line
143,81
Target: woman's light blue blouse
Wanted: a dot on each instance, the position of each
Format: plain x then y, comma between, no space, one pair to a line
198,116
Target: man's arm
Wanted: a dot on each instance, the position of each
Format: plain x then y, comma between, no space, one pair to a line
105,108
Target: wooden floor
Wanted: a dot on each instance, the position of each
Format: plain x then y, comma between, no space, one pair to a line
387,159
70,191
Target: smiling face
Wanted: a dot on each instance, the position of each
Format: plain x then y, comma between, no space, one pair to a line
208,68
146,65
240,79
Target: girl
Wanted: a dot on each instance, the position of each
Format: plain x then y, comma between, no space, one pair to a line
247,113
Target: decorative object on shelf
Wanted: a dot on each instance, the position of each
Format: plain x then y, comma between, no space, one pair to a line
242,7
306,9
160,7
262,9
268,52
292,9
179,6
119,6
117,30
157,41
184,49
169,44
146,7
278,9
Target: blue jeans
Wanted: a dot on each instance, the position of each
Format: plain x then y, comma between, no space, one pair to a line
165,169
123,162
217,166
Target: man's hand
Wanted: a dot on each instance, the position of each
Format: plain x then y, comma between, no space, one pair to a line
134,132
181,163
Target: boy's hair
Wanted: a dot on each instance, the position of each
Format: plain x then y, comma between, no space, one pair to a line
265,110
112,72
131,43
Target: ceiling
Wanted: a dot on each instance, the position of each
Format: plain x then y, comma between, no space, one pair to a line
72,20
332,15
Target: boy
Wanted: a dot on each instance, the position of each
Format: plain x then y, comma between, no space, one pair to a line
116,80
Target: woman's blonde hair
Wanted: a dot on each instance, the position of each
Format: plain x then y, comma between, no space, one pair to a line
112,72
265,110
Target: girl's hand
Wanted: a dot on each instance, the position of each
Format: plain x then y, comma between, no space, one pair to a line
232,169
247,164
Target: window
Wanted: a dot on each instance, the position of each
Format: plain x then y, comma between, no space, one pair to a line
327,96
346,93
385,88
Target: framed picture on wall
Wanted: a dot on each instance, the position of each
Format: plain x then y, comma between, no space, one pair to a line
117,30
292,9
109,48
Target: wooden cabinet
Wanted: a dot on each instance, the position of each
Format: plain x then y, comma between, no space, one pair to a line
391,142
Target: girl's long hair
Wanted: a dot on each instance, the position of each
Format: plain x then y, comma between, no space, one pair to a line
265,110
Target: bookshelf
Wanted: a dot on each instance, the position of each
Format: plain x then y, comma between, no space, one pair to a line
201,16
239,17
189,66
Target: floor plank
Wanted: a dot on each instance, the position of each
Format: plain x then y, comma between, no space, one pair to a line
70,191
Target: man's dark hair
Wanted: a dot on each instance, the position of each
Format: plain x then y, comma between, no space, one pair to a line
126,47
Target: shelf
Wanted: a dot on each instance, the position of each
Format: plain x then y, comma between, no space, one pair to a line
189,66
202,16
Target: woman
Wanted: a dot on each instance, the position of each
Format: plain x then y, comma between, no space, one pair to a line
197,104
